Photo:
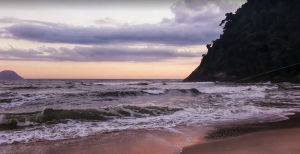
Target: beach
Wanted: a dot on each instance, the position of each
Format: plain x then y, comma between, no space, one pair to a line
124,142
262,138
150,77
141,116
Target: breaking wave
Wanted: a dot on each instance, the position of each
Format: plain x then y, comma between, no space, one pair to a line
52,116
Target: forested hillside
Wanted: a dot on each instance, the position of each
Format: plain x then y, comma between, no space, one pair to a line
261,36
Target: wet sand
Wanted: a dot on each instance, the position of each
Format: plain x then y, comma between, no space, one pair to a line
285,141
122,142
282,137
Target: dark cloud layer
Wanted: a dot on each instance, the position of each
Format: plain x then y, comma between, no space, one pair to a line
80,4
94,54
195,23
145,33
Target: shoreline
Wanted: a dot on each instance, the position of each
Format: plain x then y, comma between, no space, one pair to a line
261,138
225,131
165,141
183,139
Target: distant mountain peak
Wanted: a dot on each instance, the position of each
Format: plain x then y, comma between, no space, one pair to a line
9,75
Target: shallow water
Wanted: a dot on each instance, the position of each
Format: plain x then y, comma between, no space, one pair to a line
62,109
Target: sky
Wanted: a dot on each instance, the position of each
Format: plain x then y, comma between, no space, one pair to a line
108,39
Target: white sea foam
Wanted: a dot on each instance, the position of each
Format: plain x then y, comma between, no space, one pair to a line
120,83
155,92
238,91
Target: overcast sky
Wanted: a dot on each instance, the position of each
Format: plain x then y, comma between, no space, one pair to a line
108,39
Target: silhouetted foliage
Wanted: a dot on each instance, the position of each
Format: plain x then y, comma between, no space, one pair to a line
262,35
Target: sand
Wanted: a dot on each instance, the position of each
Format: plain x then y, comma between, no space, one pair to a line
281,137
160,141
285,141
123,142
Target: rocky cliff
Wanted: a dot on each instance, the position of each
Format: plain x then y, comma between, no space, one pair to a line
259,37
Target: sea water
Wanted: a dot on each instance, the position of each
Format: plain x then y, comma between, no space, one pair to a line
63,109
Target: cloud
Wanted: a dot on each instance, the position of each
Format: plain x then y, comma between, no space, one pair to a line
203,11
94,54
195,22
80,4
107,21
144,33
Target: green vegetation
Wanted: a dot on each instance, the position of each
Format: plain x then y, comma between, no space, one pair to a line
261,36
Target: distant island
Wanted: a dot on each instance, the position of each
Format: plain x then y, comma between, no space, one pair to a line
260,42
9,75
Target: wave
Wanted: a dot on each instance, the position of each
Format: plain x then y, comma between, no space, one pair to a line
24,88
9,124
136,93
53,116
155,91
8,94
105,94
192,90
117,93
141,84
6,100
105,113
9,97
14,121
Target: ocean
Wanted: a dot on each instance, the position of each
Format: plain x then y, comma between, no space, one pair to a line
64,109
